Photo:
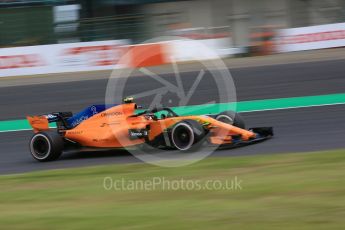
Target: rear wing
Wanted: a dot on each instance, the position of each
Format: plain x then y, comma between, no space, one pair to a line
64,120
38,123
41,122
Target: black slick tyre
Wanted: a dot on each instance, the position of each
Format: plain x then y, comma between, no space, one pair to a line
232,118
187,135
46,146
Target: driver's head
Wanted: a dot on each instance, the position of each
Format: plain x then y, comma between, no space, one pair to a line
163,116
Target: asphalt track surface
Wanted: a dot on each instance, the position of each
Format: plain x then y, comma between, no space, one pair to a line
266,82
296,130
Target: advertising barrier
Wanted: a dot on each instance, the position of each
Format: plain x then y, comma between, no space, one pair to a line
105,55
69,57
311,37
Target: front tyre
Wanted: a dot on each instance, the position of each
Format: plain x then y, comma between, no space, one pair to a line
46,146
231,118
187,135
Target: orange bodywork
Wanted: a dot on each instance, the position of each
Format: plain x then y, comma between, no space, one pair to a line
110,128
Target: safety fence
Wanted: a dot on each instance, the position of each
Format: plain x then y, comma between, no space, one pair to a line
114,54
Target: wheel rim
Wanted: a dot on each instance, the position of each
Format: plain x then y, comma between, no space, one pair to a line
225,119
40,146
182,136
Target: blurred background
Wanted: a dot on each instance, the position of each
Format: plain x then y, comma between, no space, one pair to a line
247,24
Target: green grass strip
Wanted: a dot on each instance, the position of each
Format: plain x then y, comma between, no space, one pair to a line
282,191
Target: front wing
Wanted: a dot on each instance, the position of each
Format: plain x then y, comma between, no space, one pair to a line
262,134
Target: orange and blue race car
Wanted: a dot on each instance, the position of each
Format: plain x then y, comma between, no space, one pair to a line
119,126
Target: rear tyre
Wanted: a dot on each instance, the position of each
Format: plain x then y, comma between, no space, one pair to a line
231,118
187,135
46,146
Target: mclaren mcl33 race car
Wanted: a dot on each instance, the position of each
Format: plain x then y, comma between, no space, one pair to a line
119,126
